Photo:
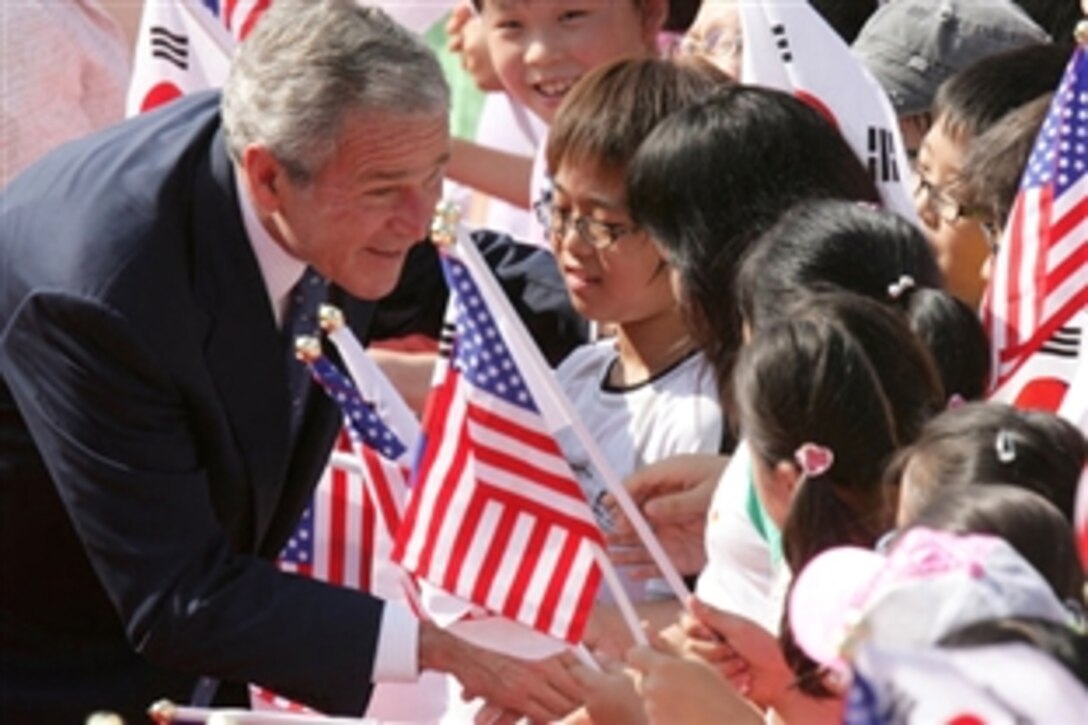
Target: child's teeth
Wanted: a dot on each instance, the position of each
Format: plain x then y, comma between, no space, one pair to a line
554,88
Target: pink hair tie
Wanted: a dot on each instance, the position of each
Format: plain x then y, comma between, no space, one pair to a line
814,460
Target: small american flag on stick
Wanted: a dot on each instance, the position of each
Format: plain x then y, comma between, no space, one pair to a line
1040,279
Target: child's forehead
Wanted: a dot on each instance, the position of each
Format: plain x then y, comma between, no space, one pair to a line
587,165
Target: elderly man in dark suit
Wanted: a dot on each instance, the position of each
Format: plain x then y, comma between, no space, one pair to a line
149,467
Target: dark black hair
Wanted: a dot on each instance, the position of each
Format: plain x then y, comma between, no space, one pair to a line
955,337
1037,450
838,244
976,97
829,244
1032,525
991,172
1057,17
842,372
846,16
681,15
715,175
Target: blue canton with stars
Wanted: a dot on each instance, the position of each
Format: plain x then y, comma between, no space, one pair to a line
299,550
479,351
364,425
1060,155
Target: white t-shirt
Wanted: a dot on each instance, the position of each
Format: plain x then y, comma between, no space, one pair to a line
740,573
509,126
540,189
675,412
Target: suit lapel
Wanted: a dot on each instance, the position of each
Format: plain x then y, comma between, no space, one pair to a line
243,350
246,358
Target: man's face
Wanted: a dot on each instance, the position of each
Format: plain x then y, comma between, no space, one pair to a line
357,217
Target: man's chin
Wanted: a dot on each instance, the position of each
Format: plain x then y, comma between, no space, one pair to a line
375,289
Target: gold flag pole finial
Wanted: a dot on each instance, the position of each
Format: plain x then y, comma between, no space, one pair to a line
1080,33
330,317
307,348
162,711
444,224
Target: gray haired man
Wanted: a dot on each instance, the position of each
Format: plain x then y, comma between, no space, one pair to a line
147,456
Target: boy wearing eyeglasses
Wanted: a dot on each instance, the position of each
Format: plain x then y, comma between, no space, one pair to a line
645,392
967,104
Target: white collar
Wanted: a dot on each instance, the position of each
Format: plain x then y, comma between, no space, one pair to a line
279,269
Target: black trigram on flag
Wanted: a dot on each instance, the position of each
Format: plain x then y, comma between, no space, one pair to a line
783,43
1065,342
170,47
882,166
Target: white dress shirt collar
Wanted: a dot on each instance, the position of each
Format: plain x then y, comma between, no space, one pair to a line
279,269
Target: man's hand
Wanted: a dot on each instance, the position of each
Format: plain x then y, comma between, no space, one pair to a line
674,496
542,690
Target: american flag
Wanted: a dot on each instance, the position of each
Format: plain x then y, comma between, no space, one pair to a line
336,538
497,516
238,16
380,450
1040,278
334,541
344,538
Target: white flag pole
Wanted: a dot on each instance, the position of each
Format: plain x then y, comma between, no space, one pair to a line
369,378
164,711
346,462
556,409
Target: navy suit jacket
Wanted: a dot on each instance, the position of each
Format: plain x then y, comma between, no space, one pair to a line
145,476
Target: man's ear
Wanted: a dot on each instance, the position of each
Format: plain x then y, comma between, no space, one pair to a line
654,14
265,176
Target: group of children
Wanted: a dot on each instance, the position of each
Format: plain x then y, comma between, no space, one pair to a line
754,305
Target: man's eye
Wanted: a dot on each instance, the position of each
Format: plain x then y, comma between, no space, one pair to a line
573,15
382,192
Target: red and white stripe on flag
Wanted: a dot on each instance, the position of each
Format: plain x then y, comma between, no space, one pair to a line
497,516
790,47
240,16
335,540
1040,276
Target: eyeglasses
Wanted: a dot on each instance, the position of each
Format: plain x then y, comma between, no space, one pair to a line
599,235
717,43
941,203
938,201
